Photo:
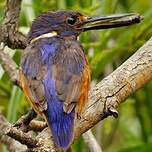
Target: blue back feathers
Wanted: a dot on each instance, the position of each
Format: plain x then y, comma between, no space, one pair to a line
61,123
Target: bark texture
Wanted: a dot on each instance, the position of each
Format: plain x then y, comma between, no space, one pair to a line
11,144
8,31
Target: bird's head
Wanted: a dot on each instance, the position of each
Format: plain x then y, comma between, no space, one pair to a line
70,24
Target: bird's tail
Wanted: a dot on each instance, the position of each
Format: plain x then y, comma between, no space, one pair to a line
61,125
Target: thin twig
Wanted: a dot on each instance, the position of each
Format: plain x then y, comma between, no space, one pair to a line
37,125
25,119
91,142
23,122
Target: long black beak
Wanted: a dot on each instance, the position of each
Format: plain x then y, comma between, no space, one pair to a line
110,21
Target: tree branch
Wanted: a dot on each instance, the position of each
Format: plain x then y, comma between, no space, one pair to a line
8,31
10,67
106,96
11,144
23,138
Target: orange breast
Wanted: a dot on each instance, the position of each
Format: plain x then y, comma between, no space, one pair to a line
84,88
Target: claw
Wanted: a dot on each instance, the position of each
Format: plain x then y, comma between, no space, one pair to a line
113,111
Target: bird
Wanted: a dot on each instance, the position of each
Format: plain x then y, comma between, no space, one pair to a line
55,73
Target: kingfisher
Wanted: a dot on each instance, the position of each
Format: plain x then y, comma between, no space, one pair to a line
55,73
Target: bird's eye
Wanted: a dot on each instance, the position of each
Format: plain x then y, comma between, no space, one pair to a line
72,20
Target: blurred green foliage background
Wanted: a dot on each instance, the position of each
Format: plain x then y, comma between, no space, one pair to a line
106,50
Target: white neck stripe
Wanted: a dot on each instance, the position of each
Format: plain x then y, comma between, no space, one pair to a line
47,35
